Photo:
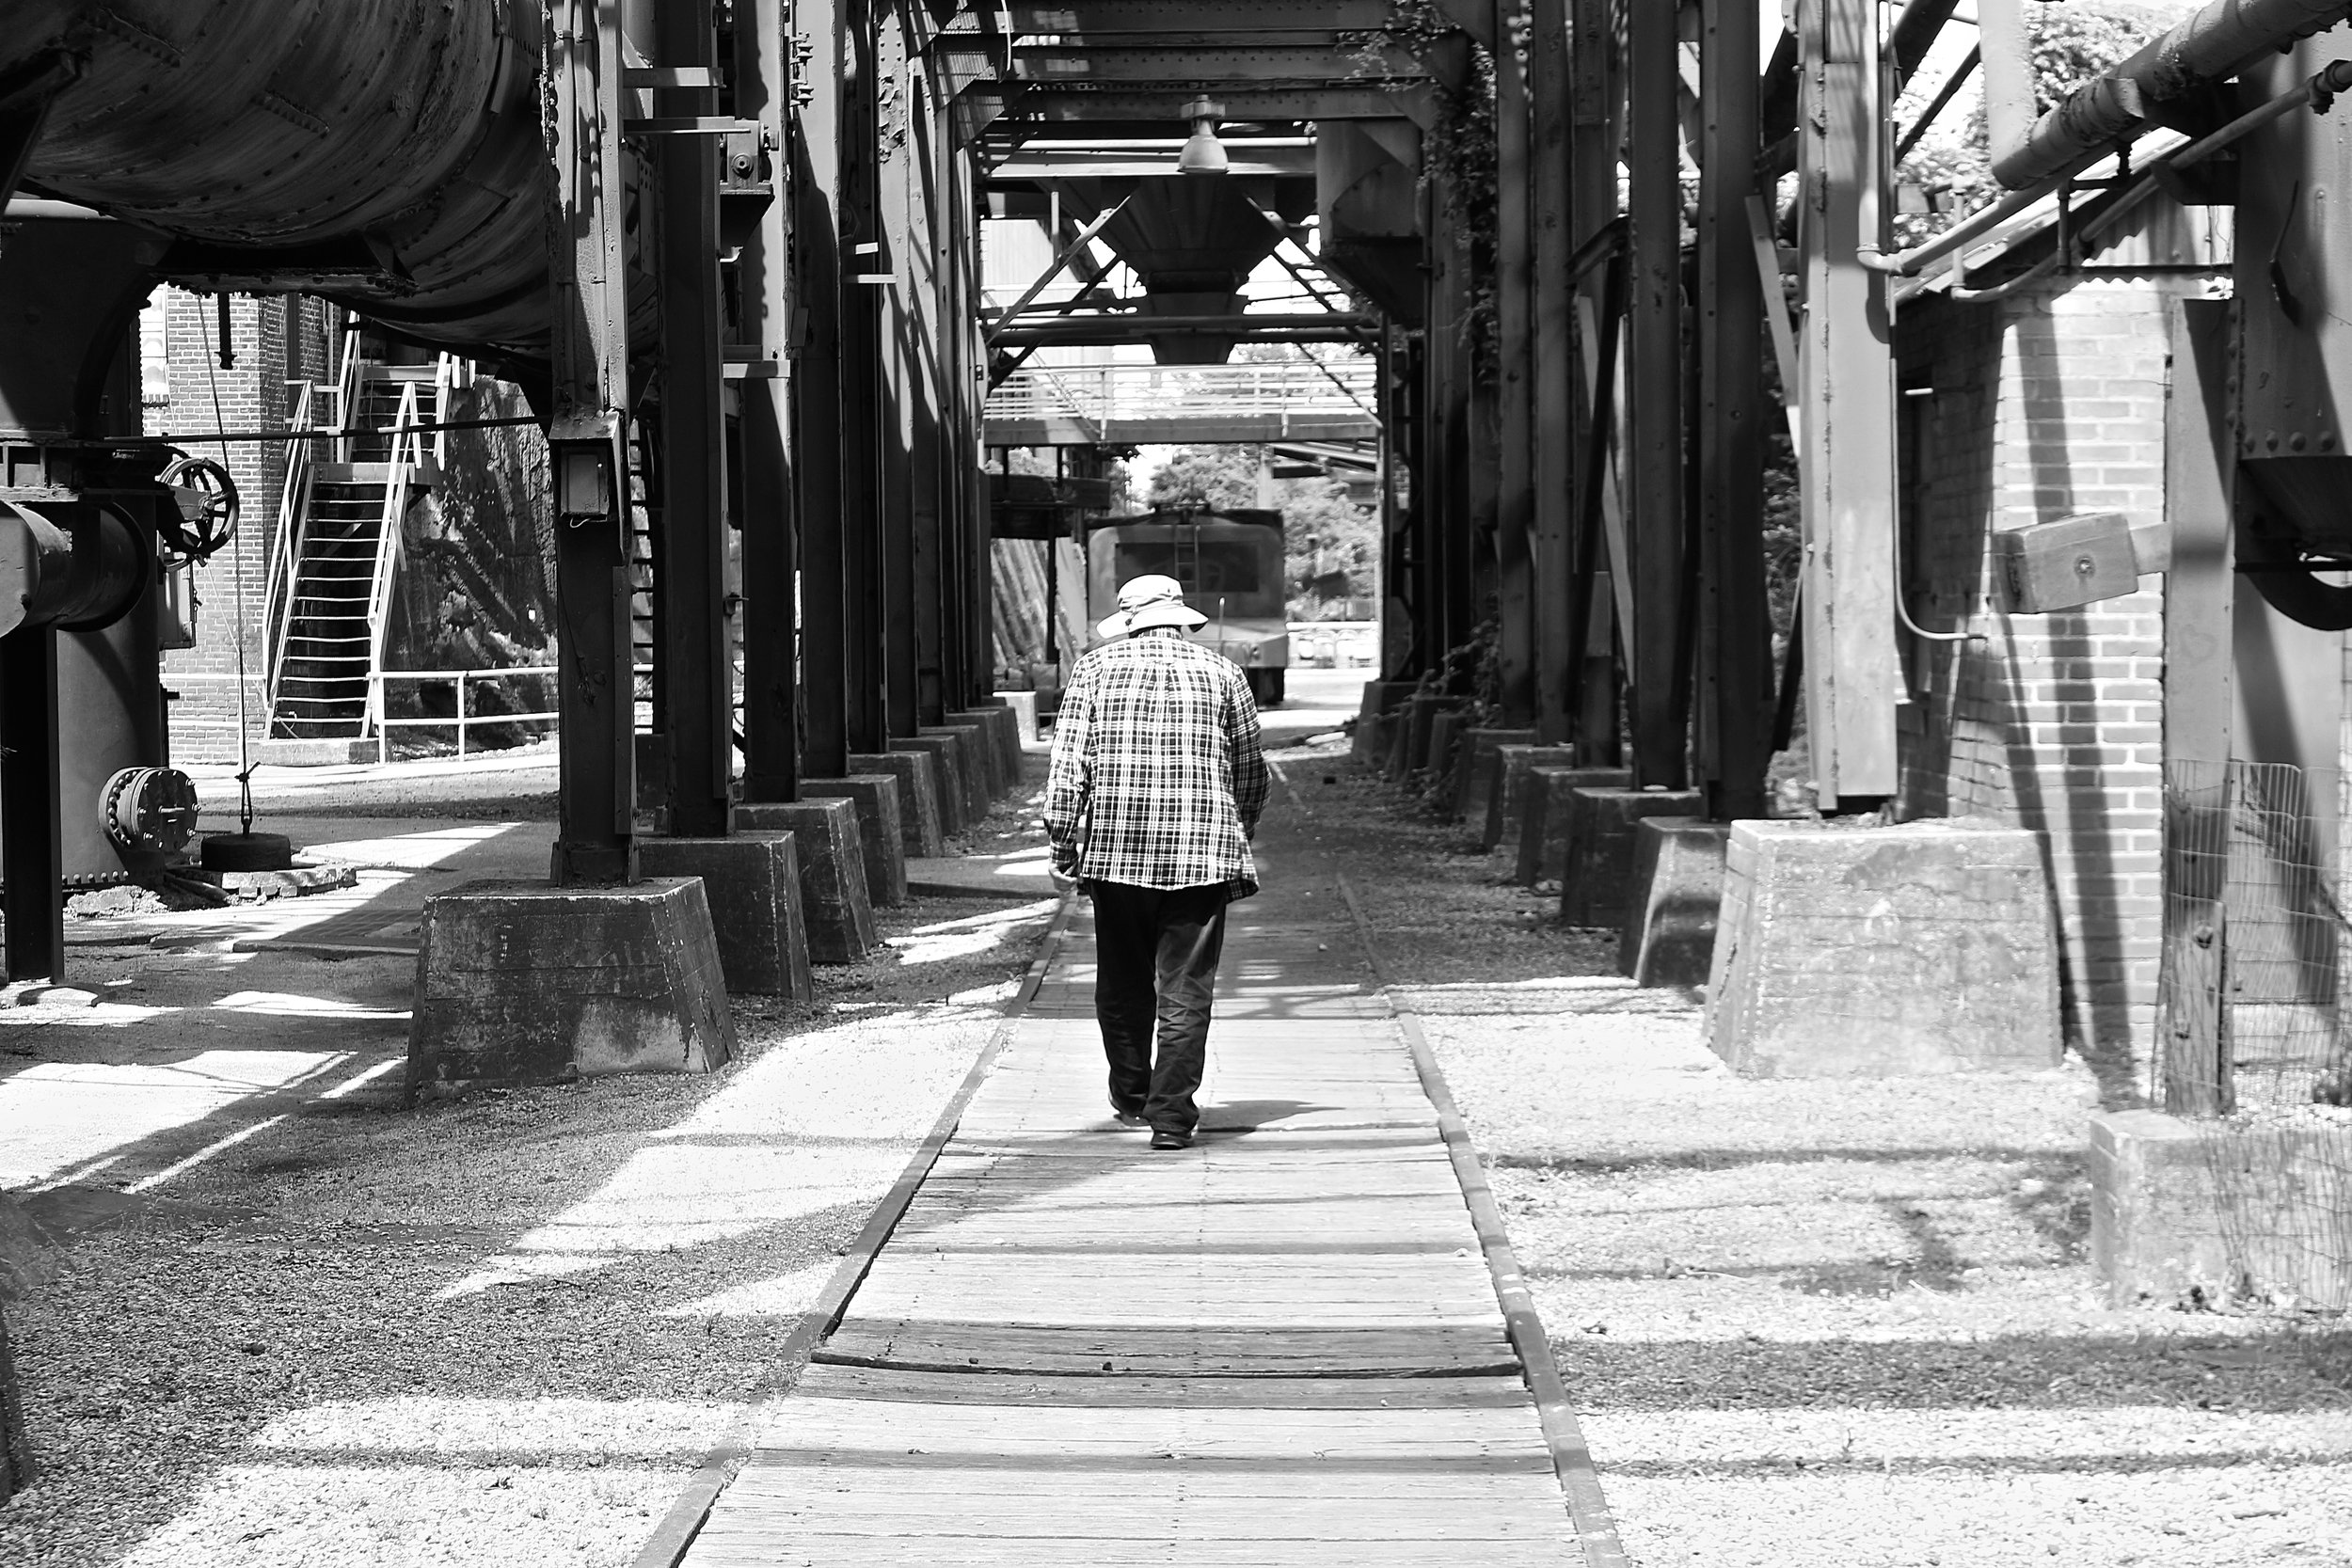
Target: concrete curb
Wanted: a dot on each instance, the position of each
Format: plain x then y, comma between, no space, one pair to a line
676,1534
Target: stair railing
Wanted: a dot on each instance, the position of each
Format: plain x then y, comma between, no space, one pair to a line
407,450
279,581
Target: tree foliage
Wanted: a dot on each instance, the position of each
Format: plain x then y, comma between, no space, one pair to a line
1329,542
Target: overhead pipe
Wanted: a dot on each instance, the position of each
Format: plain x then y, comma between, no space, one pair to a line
2010,104
2319,93
2212,45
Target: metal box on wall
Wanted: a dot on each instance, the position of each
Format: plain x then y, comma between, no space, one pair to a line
2072,561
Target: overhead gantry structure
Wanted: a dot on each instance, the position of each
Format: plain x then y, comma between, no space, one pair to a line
734,252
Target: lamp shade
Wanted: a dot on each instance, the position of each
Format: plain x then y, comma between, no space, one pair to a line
1203,153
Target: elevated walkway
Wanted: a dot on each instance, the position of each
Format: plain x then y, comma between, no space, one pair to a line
1146,404
1281,1346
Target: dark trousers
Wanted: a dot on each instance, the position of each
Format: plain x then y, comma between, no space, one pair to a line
1155,978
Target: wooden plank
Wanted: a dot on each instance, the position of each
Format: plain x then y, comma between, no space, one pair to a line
1283,1346
914,1388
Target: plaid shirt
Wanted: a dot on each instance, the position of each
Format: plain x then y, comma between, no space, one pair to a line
1157,742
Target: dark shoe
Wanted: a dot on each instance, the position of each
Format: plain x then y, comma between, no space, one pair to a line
1163,1139
1127,1119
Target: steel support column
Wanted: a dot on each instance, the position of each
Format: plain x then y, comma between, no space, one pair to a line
1551,370
2199,663
690,571
1846,472
1654,381
596,795
1515,573
30,803
817,392
865,442
896,461
763,92
1595,90
1735,666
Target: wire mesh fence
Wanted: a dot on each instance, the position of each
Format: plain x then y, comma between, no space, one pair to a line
2256,1032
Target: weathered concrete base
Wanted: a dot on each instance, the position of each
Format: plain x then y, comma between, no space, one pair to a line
1545,801
1875,951
1371,740
1024,706
1445,734
2211,1212
753,884
1596,889
1675,894
972,772
1505,780
1399,732
949,793
919,797
529,983
16,1448
1474,764
1002,728
876,796
833,899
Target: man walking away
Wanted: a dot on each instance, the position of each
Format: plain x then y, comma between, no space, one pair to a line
1156,789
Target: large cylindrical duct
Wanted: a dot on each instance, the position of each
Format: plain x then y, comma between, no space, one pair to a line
385,154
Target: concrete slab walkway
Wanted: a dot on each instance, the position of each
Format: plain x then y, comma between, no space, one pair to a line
1281,1346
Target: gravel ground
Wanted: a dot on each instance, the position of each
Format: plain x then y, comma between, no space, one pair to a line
503,1330
1831,1323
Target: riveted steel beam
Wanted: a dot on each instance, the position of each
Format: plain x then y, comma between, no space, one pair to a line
596,838
1846,469
1514,389
1226,17
1735,666
982,109
763,77
690,570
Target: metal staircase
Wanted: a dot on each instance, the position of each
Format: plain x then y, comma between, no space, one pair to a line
338,541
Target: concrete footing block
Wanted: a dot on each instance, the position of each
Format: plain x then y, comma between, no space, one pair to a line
876,797
1024,706
1876,952
531,983
1545,801
1474,765
1371,741
917,778
1002,727
1398,733
1595,887
1674,895
1445,737
753,884
833,899
955,813
2211,1212
972,772
1511,768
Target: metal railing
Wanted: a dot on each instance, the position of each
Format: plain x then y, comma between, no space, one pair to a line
1104,395
462,719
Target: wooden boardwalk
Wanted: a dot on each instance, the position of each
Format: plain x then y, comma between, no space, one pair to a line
1281,1346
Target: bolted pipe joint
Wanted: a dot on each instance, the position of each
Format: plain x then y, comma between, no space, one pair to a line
74,567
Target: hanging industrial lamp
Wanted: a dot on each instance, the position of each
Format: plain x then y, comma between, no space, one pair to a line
1203,153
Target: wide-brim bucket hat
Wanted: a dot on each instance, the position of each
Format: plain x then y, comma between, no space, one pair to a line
1149,601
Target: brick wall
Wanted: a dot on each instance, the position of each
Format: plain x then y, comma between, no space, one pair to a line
2018,411
273,340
